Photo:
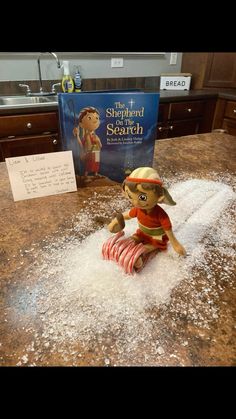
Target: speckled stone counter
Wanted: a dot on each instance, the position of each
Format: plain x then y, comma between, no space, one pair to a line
165,96
196,154
28,227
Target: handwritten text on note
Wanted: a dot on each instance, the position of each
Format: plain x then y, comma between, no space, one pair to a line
41,175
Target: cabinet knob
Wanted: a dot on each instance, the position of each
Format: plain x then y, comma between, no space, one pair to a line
165,128
234,110
54,141
29,125
189,110
171,127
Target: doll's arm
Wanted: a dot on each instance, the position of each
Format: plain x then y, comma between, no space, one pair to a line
118,223
175,243
75,131
98,142
76,134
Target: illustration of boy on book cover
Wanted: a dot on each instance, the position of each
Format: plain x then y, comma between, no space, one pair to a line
110,134
90,144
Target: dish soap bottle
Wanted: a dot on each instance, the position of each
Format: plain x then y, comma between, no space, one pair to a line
67,83
78,81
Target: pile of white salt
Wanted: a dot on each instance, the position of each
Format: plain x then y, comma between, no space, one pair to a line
82,298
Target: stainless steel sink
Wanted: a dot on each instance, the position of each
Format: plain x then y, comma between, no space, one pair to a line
23,101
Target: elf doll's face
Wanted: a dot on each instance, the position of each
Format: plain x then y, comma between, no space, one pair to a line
90,121
142,198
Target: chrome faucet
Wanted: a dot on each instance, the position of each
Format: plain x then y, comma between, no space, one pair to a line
41,92
53,87
28,91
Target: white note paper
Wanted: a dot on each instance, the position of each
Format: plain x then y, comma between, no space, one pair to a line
41,175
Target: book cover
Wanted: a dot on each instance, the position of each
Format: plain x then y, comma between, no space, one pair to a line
110,134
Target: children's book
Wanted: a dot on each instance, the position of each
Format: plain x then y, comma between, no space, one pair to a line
110,133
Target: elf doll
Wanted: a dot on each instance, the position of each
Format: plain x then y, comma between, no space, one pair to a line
145,191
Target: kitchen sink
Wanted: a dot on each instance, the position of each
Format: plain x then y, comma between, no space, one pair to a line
22,101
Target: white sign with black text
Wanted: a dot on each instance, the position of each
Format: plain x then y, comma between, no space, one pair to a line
175,82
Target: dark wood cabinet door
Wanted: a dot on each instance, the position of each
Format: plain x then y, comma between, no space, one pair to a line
28,124
229,125
177,119
163,130
230,110
162,126
23,146
186,110
225,116
181,128
209,69
220,70
163,112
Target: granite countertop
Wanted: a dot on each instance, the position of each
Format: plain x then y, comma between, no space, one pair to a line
165,97
29,229
49,107
180,95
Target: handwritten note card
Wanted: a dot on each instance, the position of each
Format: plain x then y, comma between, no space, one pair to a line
41,175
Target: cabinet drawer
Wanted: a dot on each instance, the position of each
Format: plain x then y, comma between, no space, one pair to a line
24,146
184,110
230,111
182,128
163,130
28,124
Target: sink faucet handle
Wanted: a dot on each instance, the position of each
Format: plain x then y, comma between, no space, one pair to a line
28,91
53,87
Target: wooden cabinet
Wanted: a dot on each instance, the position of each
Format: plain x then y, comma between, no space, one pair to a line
220,70
163,126
210,70
23,146
27,134
185,118
225,116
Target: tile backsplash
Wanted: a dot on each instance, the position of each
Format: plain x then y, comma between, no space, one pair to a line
146,83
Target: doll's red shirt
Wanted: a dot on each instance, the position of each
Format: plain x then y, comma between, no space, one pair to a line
154,219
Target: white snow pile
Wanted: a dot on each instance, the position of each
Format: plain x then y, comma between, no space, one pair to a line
83,298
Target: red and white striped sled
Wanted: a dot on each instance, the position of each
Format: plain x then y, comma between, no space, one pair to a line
125,252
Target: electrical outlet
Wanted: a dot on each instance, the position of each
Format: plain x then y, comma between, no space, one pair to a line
173,58
117,62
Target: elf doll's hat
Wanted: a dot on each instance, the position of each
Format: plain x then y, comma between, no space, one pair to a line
150,175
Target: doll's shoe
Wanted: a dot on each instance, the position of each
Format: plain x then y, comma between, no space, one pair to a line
146,257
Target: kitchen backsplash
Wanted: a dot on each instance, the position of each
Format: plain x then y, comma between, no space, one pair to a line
146,83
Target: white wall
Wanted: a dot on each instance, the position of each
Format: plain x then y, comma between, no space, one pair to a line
23,66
